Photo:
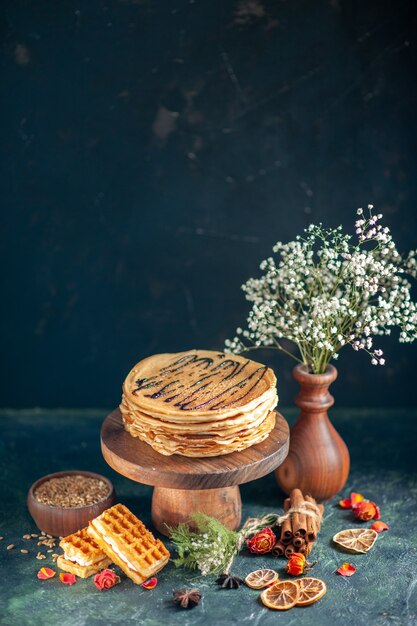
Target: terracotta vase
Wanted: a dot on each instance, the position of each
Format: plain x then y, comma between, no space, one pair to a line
318,460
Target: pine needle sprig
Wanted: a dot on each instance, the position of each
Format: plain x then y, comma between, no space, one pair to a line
209,548
212,547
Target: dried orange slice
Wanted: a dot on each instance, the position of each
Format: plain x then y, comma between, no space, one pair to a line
311,590
281,596
356,540
261,578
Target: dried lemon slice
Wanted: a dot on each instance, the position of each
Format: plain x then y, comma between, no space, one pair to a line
356,540
311,590
281,596
261,578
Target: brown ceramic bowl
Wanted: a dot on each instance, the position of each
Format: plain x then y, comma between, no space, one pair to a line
60,522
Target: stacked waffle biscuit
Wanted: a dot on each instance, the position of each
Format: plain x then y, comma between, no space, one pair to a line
128,543
82,556
199,403
116,536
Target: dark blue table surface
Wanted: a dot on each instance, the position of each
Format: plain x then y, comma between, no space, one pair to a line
382,592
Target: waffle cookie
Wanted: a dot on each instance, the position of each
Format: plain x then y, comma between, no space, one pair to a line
128,543
199,403
82,556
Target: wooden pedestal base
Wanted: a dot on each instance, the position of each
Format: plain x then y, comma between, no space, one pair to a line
185,485
171,507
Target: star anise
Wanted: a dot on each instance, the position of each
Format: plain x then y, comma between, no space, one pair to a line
229,581
187,598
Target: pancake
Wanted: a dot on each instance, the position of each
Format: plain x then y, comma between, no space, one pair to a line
214,446
199,403
230,424
209,385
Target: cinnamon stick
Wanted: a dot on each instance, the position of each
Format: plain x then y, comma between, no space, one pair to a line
298,530
299,523
289,550
311,526
313,523
286,540
278,549
308,548
286,528
298,542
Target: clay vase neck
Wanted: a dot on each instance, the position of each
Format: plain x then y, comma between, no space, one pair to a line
318,459
314,397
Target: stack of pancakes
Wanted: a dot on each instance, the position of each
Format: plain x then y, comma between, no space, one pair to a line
199,403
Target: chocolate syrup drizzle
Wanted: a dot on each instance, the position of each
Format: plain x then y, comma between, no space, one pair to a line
201,393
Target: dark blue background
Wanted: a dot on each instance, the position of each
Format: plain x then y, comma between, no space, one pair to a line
153,152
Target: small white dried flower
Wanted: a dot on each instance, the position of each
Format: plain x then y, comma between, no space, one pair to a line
325,291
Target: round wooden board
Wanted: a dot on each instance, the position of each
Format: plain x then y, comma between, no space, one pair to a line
140,462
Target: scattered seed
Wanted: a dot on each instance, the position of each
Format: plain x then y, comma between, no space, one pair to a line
54,557
24,551
1,538
50,550
26,536
10,546
34,535
50,543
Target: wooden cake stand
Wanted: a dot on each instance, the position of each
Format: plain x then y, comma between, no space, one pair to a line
185,485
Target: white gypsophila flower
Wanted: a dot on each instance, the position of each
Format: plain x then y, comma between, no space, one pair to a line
324,291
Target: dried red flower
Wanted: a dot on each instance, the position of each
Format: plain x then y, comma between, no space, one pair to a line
346,503
366,510
346,569
355,498
379,526
106,579
45,573
150,583
296,564
67,579
350,503
262,542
